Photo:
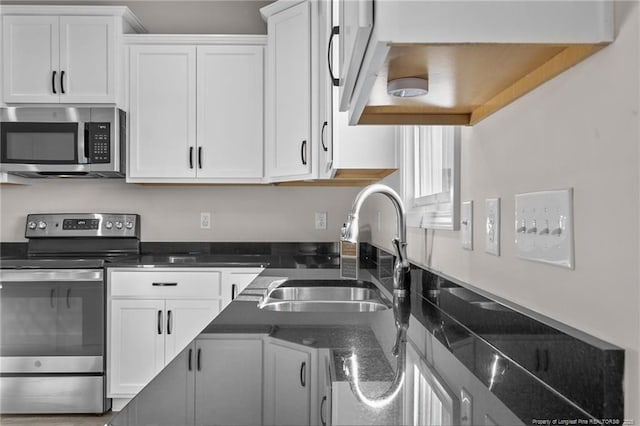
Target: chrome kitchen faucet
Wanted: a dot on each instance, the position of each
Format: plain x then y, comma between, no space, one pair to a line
401,281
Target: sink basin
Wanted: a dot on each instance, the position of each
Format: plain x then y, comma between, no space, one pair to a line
323,296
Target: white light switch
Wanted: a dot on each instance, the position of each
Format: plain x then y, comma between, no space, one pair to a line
544,227
492,228
466,225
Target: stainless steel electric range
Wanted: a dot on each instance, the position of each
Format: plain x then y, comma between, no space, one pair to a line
52,312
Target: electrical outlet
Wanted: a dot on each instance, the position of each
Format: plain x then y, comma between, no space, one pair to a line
321,220
205,220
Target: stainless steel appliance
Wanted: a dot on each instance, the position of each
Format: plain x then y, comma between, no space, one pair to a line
67,141
52,312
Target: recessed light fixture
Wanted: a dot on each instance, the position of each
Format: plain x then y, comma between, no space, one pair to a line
408,87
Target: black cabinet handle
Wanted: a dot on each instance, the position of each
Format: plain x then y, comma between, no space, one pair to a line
159,322
199,157
160,284
322,418
334,32
234,288
303,152
51,296
191,157
62,82
189,363
303,373
53,83
198,355
169,322
322,132
68,301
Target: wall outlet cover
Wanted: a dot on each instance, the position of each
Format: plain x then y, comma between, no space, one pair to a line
492,228
205,220
466,225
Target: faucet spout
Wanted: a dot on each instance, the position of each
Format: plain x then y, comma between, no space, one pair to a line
351,231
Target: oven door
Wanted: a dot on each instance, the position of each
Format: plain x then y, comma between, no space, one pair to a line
51,321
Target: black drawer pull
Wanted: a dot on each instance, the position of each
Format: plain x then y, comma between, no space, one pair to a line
189,363
164,284
159,322
62,82
198,355
199,157
191,157
234,288
169,322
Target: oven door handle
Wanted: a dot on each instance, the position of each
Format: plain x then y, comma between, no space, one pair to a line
49,275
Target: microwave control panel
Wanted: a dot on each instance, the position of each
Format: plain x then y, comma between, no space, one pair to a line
99,142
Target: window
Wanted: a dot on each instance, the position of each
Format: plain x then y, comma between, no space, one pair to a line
431,175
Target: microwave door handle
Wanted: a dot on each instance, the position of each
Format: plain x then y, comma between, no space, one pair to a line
86,141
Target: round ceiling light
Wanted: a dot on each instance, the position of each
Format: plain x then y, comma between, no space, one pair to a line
408,87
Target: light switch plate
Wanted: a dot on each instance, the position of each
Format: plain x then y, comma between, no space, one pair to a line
466,225
544,227
492,229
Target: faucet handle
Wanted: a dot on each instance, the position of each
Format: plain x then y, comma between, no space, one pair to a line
401,251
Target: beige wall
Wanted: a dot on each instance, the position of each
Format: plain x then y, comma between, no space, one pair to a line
578,130
172,213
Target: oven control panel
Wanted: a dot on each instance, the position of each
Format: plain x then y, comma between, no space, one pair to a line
97,225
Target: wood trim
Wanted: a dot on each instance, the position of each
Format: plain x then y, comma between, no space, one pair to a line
326,182
556,65
390,115
360,174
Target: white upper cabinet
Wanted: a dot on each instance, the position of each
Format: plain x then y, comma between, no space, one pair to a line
289,144
87,59
163,112
63,54
473,57
196,109
230,111
30,59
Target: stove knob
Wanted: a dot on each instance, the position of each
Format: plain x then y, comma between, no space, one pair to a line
129,224
32,225
119,225
42,225
108,224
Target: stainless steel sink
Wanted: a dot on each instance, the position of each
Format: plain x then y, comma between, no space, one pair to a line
323,296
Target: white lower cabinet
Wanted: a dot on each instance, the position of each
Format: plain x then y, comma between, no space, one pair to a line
154,315
290,384
228,380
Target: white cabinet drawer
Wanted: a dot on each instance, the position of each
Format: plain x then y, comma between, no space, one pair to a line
163,284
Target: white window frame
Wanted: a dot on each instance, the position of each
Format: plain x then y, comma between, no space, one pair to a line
437,211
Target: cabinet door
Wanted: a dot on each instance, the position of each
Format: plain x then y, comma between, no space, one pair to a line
30,59
287,385
136,352
87,59
229,382
185,319
234,281
230,111
289,147
168,400
163,112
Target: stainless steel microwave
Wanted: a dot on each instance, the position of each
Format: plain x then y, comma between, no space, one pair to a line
63,141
